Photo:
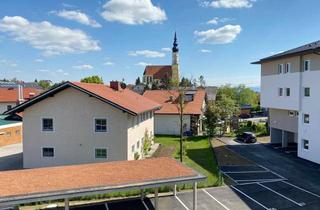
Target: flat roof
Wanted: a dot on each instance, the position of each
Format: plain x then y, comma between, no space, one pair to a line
30,185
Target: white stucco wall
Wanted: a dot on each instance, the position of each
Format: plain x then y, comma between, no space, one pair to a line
136,132
74,138
310,105
3,106
170,124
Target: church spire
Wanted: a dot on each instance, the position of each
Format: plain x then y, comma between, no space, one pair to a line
175,44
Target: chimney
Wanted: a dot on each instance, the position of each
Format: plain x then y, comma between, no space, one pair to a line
115,85
31,95
20,94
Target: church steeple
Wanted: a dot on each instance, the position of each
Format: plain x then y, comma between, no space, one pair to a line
175,44
175,60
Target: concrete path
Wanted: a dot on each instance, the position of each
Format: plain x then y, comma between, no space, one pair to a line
11,157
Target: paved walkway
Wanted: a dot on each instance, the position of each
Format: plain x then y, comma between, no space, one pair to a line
11,157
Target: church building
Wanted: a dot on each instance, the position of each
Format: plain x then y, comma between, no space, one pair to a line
157,73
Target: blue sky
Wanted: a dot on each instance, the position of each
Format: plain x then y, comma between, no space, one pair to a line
71,39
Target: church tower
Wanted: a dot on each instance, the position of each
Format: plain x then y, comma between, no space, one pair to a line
175,61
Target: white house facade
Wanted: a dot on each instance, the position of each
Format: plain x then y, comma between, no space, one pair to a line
75,125
289,88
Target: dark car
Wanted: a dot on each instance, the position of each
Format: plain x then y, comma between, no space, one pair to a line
247,137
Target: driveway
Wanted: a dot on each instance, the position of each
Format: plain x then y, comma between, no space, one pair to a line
297,171
11,157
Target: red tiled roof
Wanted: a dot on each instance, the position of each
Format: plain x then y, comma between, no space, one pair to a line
171,106
125,98
11,94
111,174
158,72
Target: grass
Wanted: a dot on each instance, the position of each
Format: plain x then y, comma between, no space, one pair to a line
198,155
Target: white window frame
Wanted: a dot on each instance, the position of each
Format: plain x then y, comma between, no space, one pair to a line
101,158
304,115
280,92
53,124
287,92
100,118
304,65
287,68
49,147
304,92
303,145
280,70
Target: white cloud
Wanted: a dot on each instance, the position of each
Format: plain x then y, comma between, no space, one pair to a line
108,63
8,63
143,64
166,49
229,3
38,60
68,5
217,20
205,51
147,53
83,67
133,12
57,72
223,35
77,16
213,21
53,40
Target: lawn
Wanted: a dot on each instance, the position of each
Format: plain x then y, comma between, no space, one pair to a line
198,155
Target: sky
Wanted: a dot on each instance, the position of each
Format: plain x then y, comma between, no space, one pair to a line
71,39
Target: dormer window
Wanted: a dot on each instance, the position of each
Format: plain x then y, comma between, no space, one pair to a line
188,97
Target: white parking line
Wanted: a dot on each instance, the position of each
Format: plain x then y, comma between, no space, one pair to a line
230,177
272,171
258,180
215,199
145,205
266,181
184,205
242,172
106,205
268,188
263,206
301,189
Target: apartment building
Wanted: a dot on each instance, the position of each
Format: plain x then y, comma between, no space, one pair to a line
289,88
77,123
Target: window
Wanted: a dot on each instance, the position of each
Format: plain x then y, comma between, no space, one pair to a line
138,144
306,65
287,91
280,68
18,132
132,148
101,153
188,97
47,152
291,113
305,144
307,92
306,118
9,107
8,134
100,125
47,124
288,68
280,91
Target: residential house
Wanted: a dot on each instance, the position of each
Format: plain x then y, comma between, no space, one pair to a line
167,119
289,89
76,123
10,129
159,73
11,96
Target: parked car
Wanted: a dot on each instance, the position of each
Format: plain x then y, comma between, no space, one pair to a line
247,137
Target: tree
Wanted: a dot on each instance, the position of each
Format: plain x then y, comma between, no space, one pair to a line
166,83
211,118
138,82
92,79
185,82
202,82
44,84
227,108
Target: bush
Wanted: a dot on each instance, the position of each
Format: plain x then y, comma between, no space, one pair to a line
249,124
136,156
